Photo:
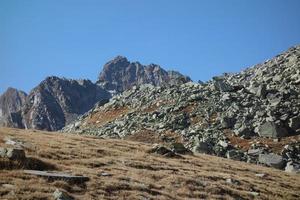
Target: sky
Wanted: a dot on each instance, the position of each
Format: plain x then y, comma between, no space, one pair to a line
199,38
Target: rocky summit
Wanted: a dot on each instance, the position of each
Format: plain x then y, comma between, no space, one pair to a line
119,75
249,116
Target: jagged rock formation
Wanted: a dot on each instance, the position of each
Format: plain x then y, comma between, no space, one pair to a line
229,116
56,102
119,75
11,102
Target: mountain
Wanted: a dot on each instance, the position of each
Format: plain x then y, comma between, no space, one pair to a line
56,102
251,116
123,169
119,75
11,102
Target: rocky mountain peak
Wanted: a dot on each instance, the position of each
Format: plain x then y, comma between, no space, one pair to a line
119,75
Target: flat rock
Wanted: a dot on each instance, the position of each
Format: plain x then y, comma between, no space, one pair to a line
57,175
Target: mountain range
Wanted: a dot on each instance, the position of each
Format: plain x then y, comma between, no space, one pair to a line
56,102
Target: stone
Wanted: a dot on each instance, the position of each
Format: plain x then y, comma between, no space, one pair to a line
261,175
15,154
61,195
58,176
271,160
227,122
271,130
292,167
261,91
202,147
255,152
180,148
223,144
294,123
235,155
244,132
104,174
161,150
3,152
221,85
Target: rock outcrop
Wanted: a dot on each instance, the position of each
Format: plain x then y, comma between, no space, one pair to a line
11,102
55,102
119,75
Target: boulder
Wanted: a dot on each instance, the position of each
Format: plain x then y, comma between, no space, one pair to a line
271,130
61,195
255,152
294,123
221,85
202,147
235,155
12,153
180,148
272,160
3,152
15,154
292,167
244,132
227,122
161,150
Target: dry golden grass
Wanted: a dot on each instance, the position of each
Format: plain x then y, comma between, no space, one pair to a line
275,146
135,174
103,117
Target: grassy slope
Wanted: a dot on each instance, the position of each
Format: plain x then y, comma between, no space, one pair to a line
136,174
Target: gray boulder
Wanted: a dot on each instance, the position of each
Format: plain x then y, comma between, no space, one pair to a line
292,167
271,130
202,147
235,155
272,160
61,195
220,84
294,123
180,148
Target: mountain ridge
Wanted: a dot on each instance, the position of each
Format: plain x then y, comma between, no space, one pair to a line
56,102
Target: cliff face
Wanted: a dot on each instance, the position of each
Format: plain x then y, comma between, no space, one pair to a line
119,75
11,102
55,102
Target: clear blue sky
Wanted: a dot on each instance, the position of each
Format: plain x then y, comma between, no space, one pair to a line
74,38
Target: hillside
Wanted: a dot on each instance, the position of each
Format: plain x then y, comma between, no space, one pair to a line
123,169
249,116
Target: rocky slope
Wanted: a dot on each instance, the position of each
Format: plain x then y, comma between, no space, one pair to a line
56,102
251,116
119,75
11,102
